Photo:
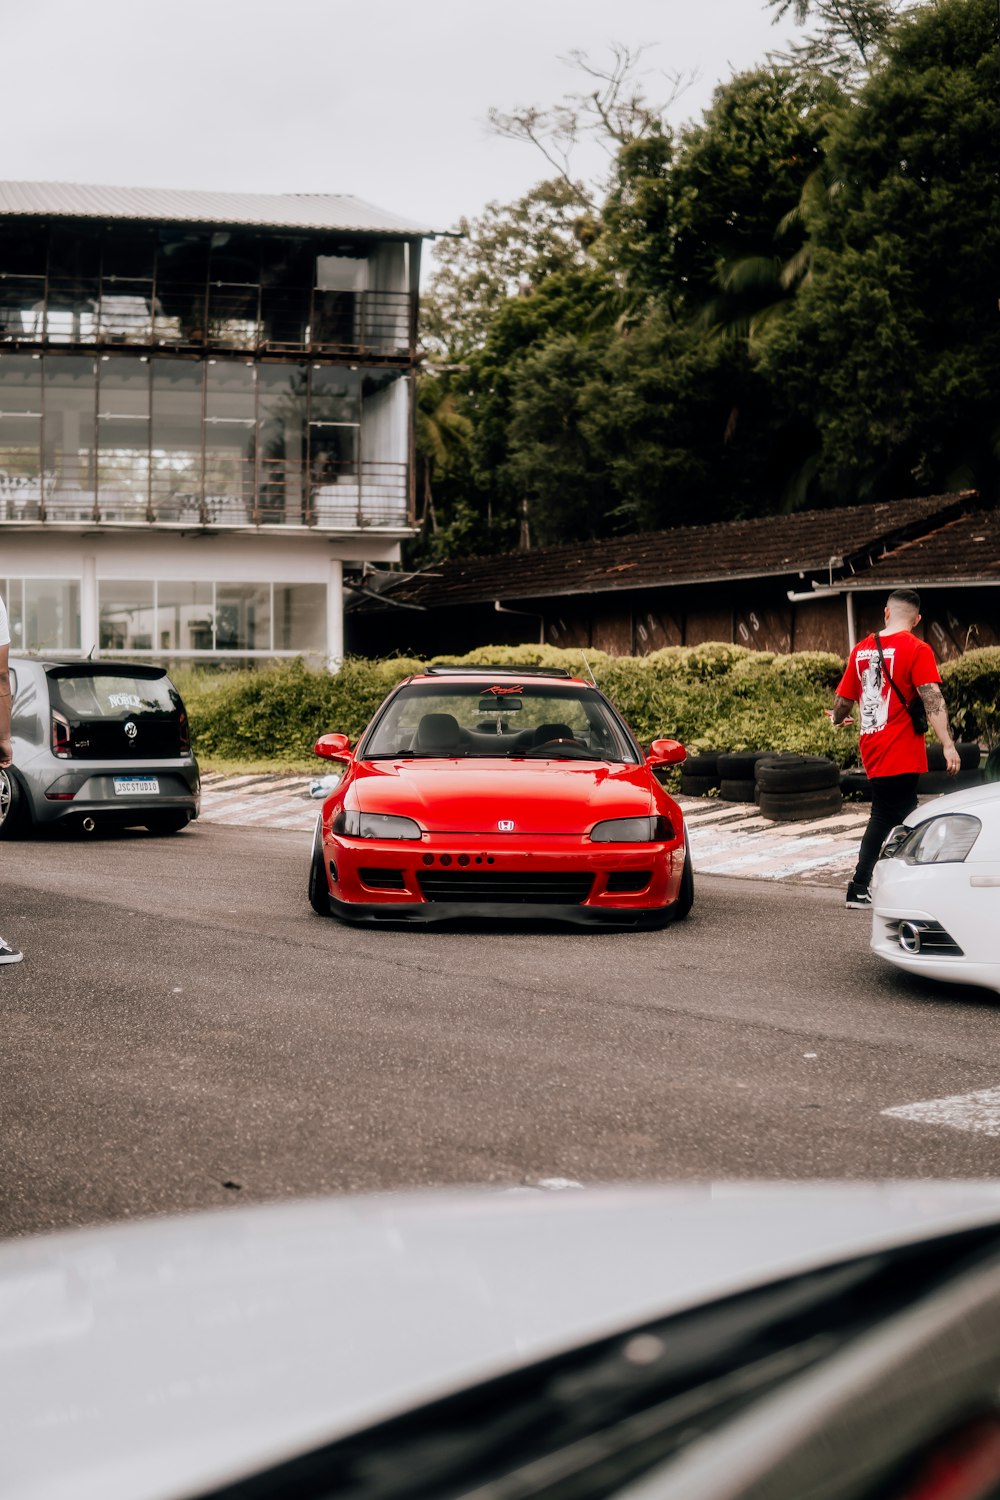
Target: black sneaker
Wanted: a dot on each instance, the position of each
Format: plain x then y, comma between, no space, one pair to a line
859,897
9,955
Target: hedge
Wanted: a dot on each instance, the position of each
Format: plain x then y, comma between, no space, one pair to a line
715,696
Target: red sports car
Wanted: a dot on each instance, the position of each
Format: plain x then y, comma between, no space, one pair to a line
500,792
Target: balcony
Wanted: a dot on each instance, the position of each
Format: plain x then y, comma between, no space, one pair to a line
237,495
48,313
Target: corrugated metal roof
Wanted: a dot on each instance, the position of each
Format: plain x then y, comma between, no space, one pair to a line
74,200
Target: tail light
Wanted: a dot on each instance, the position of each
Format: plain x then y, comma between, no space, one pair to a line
61,739
184,733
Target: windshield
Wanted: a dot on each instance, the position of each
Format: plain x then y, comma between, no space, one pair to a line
543,721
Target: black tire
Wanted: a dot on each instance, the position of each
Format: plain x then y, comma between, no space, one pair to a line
968,754
800,807
14,814
168,822
797,773
704,764
856,781
936,783
319,888
737,791
738,765
698,786
685,896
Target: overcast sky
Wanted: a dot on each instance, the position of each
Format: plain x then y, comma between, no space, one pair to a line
385,99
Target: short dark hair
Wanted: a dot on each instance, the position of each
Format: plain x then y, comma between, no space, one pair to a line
909,597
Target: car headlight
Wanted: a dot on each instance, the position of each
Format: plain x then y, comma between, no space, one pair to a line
631,831
363,825
940,841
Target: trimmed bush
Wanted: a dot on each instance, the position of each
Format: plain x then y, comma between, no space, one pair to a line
972,692
711,697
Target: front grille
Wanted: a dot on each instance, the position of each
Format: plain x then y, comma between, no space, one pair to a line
628,882
511,886
920,936
382,880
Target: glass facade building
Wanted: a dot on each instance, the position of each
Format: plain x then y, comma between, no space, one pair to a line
189,375
206,412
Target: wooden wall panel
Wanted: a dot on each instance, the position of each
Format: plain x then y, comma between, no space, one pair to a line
821,625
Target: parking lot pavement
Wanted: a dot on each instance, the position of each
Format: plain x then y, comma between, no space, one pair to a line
727,838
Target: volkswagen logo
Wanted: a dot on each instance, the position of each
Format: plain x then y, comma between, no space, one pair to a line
131,728
506,825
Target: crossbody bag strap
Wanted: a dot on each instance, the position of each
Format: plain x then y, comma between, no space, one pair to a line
888,674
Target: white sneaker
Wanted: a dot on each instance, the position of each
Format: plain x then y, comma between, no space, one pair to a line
9,955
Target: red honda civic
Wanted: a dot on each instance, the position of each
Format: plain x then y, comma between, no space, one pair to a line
500,792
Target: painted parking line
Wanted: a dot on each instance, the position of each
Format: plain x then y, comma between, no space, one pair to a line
979,1111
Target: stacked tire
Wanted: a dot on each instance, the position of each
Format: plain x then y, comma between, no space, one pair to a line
936,779
737,775
700,774
797,788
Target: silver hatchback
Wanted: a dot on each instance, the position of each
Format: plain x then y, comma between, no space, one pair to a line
97,743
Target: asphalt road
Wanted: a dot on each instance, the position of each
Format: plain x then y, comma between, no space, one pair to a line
184,1032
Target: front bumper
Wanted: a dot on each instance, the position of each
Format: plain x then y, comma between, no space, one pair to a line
962,901
442,878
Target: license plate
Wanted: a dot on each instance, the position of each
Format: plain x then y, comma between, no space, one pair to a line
136,786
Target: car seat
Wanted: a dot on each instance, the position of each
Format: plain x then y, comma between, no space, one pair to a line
439,733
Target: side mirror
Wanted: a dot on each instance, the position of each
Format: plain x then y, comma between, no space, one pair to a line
666,753
333,747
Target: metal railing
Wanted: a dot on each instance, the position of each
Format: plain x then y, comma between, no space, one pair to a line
217,492
55,312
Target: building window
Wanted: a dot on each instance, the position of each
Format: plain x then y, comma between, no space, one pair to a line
299,616
176,618
127,616
20,436
243,616
44,613
185,614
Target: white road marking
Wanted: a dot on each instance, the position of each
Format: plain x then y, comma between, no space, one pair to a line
979,1111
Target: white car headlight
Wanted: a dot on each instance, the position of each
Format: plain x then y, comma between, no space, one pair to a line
362,825
940,841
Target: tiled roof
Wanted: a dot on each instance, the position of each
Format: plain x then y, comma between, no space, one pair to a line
73,200
966,550
807,541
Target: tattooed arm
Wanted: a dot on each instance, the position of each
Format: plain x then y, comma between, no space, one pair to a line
842,711
937,715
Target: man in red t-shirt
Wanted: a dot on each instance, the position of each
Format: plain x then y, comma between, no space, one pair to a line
894,754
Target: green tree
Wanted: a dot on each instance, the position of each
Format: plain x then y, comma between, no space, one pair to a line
847,35
892,349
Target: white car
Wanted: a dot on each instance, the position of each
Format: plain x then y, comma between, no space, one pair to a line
936,890
728,1341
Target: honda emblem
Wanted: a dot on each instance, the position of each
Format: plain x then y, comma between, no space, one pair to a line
506,825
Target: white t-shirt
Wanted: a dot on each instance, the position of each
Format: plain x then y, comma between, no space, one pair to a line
4,627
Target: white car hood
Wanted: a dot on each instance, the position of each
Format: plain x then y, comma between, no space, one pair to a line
164,1358
975,799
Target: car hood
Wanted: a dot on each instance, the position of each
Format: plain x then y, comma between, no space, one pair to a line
164,1358
471,796
974,799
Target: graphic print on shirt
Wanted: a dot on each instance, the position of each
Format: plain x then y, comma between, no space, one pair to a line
875,689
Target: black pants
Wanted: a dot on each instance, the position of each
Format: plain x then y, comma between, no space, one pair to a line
893,797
